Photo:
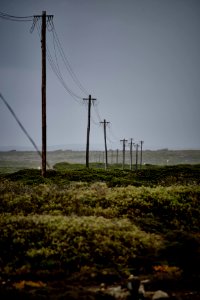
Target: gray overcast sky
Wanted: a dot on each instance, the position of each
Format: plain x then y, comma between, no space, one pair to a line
139,58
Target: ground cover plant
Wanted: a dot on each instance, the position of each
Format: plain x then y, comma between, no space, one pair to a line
82,223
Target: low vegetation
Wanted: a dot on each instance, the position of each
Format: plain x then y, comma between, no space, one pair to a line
103,224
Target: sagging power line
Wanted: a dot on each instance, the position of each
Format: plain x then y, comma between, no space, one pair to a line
16,18
55,66
21,126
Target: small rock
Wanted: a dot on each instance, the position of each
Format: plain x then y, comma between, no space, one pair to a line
159,295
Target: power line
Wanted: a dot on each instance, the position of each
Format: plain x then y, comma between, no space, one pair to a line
66,61
112,134
21,126
97,113
16,18
54,64
11,16
55,68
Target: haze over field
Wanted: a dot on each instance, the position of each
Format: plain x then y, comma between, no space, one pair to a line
138,58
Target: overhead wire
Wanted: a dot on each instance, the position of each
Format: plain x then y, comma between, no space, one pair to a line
59,71
55,67
16,18
113,135
55,64
97,112
21,126
65,60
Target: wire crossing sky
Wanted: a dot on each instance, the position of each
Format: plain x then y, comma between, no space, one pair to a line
139,58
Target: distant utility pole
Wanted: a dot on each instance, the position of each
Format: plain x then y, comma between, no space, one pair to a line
141,143
124,148
131,154
106,153
136,157
117,156
112,155
90,99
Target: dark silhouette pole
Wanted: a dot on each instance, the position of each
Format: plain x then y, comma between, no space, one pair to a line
131,154
124,148
44,134
106,153
88,130
141,154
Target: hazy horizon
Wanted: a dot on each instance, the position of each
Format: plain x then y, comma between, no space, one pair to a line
79,147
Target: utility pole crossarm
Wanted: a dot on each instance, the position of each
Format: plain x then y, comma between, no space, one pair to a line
39,16
92,99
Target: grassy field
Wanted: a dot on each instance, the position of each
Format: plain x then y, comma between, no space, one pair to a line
83,226
12,161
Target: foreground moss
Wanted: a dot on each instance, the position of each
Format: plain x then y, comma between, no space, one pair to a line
34,243
157,209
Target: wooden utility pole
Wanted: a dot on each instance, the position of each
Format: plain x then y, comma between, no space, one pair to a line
44,134
124,150
131,154
112,154
117,156
136,157
90,99
43,86
141,142
106,153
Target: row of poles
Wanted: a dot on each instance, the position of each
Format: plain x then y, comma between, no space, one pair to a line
124,141
118,158
89,99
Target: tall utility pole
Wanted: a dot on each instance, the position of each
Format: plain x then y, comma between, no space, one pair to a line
106,153
44,133
43,89
136,157
90,99
131,154
141,142
124,148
